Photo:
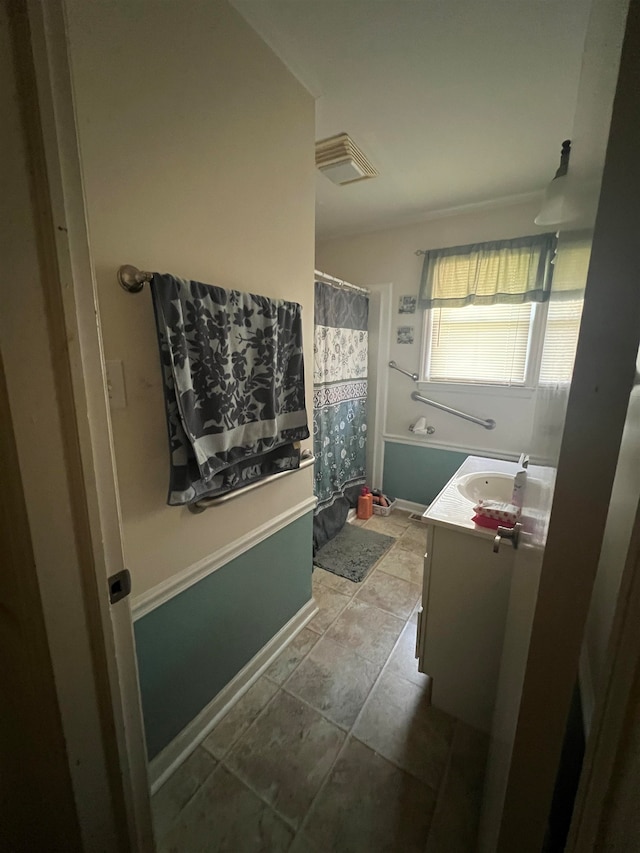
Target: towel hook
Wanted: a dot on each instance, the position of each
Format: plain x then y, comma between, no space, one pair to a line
133,279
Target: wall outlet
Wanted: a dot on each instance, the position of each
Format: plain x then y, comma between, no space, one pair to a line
115,384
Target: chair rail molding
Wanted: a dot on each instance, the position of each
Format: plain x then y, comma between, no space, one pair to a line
167,589
428,443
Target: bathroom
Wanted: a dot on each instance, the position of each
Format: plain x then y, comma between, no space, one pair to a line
214,180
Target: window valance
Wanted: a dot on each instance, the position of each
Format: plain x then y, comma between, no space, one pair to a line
498,272
571,265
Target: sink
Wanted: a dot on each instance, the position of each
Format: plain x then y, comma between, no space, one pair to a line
486,485
492,486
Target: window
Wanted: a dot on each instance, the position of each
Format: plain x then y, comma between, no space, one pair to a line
560,340
479,343
499,344
514,344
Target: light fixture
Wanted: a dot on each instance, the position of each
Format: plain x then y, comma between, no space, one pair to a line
553,210
340,159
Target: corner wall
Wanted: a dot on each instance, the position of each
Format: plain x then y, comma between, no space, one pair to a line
197,149
389,256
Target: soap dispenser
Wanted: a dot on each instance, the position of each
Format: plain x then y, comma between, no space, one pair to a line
519,482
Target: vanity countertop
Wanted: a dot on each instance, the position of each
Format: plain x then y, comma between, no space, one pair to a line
450,509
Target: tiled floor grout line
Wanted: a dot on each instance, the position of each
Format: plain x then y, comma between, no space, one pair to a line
159,838
350,735
342,645
222,762
340,612
384,610
262,799
348,732
253,722
250,726
443,780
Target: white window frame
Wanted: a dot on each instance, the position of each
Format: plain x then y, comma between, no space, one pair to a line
532,365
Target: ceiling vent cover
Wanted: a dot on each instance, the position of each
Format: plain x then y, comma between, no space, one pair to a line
340,159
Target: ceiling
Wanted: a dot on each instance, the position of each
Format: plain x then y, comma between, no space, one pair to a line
456,102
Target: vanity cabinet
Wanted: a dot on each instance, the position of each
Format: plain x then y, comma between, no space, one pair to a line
461,626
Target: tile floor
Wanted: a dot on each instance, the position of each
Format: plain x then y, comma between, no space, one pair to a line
336,747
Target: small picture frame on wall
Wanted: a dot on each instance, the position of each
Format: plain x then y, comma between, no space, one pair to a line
405,335
407,305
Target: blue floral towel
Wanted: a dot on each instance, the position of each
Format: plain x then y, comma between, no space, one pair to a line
234,385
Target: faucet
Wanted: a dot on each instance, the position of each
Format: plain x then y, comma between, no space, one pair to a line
523,461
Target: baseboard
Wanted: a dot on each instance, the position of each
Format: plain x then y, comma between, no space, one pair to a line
172,756
587,696
163,592
410,506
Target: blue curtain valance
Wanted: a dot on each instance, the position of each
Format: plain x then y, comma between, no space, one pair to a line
497,272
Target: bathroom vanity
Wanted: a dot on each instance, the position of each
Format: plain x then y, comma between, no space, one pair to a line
466,593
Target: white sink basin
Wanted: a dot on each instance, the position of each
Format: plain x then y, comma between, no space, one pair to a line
492,486
486,485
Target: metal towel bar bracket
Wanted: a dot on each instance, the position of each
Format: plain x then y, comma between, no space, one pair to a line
132,279
487,423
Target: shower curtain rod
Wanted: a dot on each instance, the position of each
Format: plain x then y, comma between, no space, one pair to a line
338,282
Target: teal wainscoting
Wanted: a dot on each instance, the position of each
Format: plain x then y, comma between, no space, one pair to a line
194,644
416,473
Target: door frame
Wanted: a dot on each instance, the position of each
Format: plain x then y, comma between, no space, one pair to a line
615,714
108,689
381,379
602,381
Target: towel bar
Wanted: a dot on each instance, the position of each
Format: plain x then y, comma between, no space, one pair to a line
200,506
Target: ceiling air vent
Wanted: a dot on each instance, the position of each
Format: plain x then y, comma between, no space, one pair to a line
340,159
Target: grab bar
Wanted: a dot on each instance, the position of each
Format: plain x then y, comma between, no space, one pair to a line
489,423
413,376
204,503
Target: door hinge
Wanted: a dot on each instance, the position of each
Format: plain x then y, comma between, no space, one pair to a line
119,585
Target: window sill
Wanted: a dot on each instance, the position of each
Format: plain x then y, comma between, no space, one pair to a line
477,389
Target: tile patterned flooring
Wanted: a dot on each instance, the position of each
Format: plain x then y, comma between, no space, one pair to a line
335,748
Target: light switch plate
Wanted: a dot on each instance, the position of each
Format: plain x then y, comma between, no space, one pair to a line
115,384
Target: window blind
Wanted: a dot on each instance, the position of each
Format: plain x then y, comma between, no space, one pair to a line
571,266
560,340
479,344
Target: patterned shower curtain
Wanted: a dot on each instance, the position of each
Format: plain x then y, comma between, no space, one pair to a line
339,405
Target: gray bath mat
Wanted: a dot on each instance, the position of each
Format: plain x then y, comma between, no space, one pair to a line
352,552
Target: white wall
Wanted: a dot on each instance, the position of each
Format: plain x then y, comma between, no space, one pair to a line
389,256
197,153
